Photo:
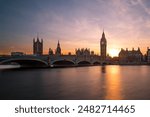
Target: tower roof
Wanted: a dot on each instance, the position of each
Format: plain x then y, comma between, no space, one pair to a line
103,37
58,44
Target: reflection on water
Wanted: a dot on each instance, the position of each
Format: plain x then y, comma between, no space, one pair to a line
97,82
113,83
103,69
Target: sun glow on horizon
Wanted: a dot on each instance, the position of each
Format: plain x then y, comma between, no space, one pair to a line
113,52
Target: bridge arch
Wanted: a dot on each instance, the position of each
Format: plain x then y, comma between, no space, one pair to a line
96,63
63,62
84,63
26,62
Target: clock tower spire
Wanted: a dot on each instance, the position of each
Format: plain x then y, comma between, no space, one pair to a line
103,47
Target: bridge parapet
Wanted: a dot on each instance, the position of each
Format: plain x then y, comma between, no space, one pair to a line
55,58
51,59
26,61
75,59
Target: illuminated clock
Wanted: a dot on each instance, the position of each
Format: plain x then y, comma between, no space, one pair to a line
102,42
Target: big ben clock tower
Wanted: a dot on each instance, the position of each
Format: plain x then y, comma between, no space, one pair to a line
103,47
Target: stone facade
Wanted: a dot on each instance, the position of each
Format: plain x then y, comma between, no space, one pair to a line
58,50
130,56
37,46
103,47
148,56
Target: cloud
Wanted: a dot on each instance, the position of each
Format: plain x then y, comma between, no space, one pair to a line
122,20
134,2
143,5
80,22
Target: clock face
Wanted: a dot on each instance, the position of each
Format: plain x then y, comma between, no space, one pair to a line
102,42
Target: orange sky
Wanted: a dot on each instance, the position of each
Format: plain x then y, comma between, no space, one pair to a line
76,23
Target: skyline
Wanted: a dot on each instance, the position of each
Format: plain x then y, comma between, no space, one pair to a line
73,22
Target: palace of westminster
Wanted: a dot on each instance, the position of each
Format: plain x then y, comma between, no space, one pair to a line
125,56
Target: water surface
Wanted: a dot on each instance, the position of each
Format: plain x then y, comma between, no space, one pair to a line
96,82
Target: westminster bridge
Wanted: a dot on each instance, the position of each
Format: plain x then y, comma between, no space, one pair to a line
50,60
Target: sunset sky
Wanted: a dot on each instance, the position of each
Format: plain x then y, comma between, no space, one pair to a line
75,23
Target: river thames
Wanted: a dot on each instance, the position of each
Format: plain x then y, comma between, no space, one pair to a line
95,82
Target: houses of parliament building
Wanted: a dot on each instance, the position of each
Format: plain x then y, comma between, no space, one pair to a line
124,56
83,52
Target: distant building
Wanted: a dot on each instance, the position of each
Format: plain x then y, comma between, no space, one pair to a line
114,60
148,55
50,51
92,53
103,47
83,52
130,56
17,54
37,46
69,53
58,49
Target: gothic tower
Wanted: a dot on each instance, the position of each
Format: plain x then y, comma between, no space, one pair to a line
58,49
103,47
37,46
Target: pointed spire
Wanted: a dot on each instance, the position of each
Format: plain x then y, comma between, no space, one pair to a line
103,35
58,45
38,37
58,49
132,49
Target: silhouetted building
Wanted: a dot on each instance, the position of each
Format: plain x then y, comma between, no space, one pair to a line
132,56
37,46
58,49
148,55
114,60
92,53
50,51
86,54
103,47
83,52
69,53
